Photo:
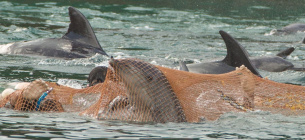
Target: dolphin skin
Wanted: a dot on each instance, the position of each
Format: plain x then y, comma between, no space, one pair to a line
236,56
79,42
234,51
275,63
97,75
285,53
148,90
271,63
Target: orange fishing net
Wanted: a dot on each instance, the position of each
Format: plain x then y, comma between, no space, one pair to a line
138,91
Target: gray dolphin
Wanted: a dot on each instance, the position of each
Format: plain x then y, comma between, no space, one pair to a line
97,75
148,91
236,56
271,63
268,63
79,42
276,63
289,29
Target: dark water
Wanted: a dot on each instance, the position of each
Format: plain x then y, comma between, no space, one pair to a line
159,32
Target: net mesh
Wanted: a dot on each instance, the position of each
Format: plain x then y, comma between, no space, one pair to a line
138,91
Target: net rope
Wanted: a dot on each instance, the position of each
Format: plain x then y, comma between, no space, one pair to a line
134,90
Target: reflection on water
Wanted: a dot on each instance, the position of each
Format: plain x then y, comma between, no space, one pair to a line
160,32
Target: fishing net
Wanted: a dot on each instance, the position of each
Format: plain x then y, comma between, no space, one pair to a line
134,90
48,96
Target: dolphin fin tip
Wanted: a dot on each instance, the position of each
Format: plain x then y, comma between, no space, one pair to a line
183,66
285,52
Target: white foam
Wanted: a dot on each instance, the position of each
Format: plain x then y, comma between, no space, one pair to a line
5,49
69,83
146,27
91,61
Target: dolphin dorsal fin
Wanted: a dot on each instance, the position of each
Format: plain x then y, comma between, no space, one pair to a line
236,54
182,66
285,52
81,30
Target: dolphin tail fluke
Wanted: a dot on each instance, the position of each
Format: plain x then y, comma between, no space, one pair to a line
183,66
236,54
81,30
285,52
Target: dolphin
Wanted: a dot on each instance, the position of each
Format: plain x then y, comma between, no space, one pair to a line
289,29
236,56
148,91
79,42
272,63
275,63
97,75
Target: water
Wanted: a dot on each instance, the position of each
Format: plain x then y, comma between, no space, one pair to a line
159,32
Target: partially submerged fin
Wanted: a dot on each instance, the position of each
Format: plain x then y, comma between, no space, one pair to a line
81,30
285,52
297,69
236,54
183,66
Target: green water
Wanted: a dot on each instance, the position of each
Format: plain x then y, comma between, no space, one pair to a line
159,32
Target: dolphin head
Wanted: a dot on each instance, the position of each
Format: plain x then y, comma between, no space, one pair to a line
131,70
97,75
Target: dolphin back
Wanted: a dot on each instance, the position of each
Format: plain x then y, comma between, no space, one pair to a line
236,54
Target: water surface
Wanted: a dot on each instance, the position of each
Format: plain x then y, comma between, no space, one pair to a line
159,32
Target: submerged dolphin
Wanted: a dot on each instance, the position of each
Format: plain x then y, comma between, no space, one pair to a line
236,56
234,51
289,29
79,42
